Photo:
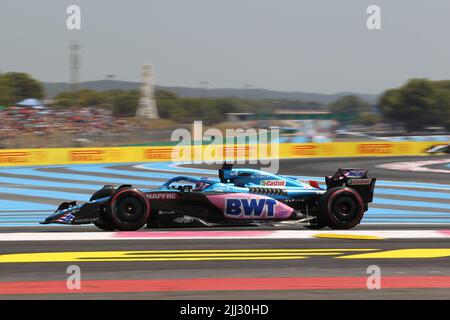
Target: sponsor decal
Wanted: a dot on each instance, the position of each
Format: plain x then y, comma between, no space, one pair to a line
250,207
183,219
354,182
355,173
14,157
304,150
86,155
158,153
221,188
234,151
163,212
87,220
163,195
375,148
273,183
66,218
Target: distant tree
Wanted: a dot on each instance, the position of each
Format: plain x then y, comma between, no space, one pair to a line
369,118
5,92
165,95
418,104
442,84
125,104
21,86
65,99
87,97
439,114
351,106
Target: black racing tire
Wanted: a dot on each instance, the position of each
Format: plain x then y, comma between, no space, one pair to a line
130,209
105,222
341,208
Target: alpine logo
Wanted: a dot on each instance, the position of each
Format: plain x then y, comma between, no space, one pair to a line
356,173
250,208
66,218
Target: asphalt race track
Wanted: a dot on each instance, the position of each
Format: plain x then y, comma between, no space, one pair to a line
406,234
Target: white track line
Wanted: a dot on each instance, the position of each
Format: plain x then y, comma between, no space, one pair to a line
223,235
417,166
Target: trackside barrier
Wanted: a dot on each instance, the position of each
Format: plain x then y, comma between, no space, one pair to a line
60,156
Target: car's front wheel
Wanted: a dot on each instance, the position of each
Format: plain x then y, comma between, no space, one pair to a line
130,210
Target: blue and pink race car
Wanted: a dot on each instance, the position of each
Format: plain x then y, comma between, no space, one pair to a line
240,197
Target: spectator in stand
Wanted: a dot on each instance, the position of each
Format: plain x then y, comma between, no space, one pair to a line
20,121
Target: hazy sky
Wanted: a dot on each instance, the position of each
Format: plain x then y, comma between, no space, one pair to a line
317,45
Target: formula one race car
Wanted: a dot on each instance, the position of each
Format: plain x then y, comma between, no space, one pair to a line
241,197
439,148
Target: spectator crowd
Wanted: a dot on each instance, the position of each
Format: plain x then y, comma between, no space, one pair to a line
48,122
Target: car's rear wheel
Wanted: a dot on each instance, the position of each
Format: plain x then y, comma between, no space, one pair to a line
105,222
130,210
341,208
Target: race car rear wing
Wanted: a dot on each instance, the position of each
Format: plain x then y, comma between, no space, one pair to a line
353,178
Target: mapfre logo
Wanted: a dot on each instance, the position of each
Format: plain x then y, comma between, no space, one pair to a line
86,155
163,195
375,148
14,157
158,153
